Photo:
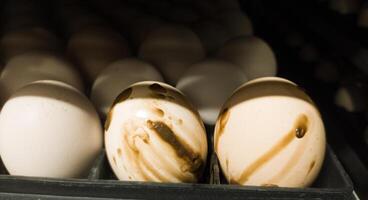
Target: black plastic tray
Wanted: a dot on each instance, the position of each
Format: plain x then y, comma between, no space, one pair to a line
332,183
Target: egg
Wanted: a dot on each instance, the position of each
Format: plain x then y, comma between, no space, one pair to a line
49,129
172,48
33,66
17,42
200,83
141,26
152,133
252,54
352,97
237,23
212,34
118,76
94,48
270,133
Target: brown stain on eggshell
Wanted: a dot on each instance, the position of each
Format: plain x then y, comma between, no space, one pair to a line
157,88
301,123
119,152
193,162
222,121
123,96
311,166
108,120
301,127
159,112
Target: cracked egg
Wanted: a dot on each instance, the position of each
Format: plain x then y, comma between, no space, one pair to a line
270,133
152,133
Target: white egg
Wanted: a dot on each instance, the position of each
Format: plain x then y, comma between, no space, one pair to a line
17,42
172,49
212,34
352,98
141,26
270,133
33,66
237,23
208,84
251,53
118,76
49,129
94,48
153,134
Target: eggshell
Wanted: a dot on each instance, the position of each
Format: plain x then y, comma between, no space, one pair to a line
172,49
251,53
153,134
270,133
352,98
201,84
33,66
94,48
237,23
118,76
212,34
49,129
17,42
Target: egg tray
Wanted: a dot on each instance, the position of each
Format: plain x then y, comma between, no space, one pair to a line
332,183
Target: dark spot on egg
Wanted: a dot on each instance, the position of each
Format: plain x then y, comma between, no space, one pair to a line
123,96
157,88
119,152
301,126
159,112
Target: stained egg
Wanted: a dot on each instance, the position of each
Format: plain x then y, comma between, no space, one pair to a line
252,54
118,76
172,48
34,66
153,134
49,129
17,42
269,132
93,48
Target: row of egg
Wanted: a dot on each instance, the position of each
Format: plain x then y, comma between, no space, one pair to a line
152,133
